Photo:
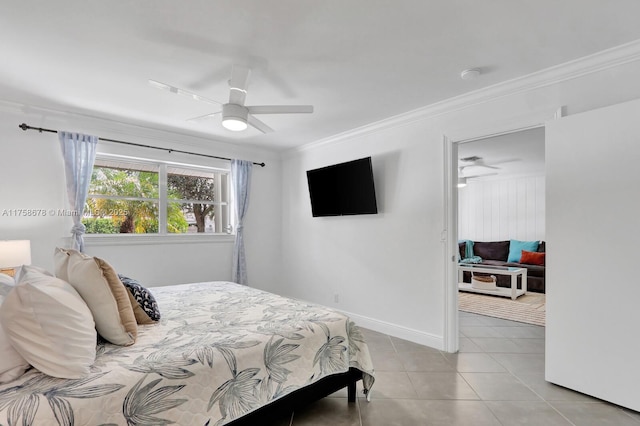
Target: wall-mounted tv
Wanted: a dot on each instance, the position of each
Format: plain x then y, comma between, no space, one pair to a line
343,189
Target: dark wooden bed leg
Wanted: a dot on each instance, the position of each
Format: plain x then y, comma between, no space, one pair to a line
351,391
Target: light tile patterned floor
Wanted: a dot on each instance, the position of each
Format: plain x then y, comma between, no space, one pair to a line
497,378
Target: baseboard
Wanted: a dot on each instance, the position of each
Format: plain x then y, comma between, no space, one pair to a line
398,331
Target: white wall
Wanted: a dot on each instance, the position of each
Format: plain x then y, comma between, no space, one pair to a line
373,262
497,210
389,269
32,177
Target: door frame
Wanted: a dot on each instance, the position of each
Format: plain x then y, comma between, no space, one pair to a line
451,140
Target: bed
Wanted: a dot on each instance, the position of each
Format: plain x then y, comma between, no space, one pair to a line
221,354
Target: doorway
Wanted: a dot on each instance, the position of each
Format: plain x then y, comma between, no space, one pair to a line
501,197
451,142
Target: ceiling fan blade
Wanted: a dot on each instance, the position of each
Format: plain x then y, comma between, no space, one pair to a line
281,109
182,92
259,124
508,160
202,117
238,84
479,176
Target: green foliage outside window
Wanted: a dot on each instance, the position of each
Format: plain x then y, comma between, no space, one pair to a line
99,225
134,206
193,188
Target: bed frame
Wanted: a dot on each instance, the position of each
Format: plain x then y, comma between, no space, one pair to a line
301,397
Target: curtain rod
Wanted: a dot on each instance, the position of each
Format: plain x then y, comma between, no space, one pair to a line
26,127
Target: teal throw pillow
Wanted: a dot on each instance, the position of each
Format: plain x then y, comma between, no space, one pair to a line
516,247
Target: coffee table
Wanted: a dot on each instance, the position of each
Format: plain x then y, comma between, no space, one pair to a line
512,292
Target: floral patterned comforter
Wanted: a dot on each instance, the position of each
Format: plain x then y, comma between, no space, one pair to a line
221,350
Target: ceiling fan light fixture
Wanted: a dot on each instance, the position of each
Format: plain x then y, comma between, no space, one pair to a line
234,117
234,124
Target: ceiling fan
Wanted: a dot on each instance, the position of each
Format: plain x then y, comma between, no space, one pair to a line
237,116
473,161
462,180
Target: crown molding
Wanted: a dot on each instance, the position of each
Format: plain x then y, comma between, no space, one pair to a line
609,58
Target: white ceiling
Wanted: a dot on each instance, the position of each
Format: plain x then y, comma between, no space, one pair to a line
356,61
515,155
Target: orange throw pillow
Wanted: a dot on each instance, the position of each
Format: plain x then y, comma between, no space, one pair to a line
532,258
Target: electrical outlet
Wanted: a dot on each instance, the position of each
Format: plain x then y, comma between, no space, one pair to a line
336,298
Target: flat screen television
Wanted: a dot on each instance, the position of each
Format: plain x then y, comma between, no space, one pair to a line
343,189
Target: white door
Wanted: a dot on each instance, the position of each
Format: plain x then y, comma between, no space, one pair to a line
593,253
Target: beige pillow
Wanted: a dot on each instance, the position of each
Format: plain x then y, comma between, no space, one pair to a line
12,364
101,289
50,325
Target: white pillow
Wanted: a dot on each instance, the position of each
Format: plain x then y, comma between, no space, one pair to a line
12,364
6,284
107,298
49,324
32,268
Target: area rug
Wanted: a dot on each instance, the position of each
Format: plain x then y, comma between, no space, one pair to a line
529,308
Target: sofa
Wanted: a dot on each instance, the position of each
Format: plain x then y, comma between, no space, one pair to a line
508,253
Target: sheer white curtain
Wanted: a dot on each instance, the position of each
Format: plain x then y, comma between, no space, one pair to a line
241,180
79,152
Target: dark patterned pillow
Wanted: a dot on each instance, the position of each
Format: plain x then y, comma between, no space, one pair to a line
144,304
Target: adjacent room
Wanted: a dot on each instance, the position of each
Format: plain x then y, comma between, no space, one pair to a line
501,199
319,213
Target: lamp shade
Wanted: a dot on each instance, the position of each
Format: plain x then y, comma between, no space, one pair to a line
15,253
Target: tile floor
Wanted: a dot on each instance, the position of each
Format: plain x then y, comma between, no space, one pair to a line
497,378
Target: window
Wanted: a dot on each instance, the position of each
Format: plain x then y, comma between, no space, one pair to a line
199,197
139,197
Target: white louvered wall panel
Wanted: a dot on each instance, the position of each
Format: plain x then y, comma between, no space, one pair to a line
502,209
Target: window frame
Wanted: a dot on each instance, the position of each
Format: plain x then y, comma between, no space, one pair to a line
163,236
